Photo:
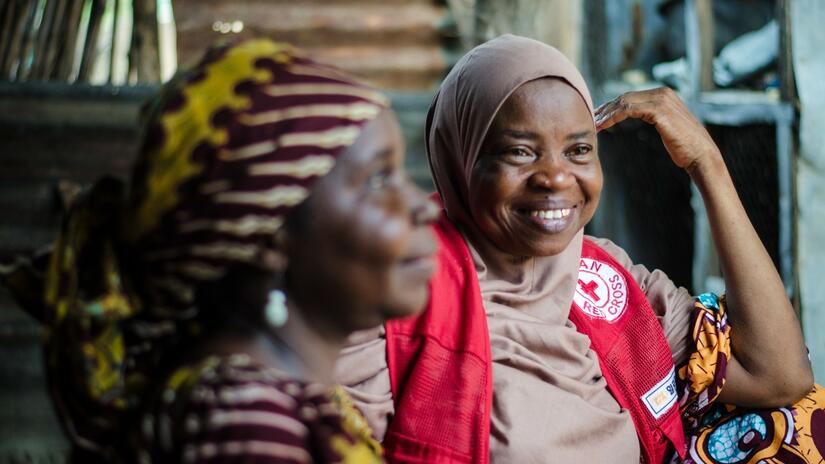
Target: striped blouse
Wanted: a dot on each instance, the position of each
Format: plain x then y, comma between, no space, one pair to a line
231,410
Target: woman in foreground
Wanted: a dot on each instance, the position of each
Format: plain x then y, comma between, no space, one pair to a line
269,216
542,345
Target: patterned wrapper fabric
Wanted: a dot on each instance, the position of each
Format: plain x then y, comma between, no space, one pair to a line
230,146
720,433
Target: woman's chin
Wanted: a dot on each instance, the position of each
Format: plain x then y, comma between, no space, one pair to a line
407,303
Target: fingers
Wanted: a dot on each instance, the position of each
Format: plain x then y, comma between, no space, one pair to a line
647,105
683,135
609,114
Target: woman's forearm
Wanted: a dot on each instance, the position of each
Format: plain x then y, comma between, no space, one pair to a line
766,339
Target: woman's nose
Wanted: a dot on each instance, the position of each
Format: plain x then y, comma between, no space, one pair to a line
423,209
551,175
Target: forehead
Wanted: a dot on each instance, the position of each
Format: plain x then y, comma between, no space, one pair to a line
380,137
542,99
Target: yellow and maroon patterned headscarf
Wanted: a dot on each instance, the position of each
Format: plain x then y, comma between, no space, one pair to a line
231,146
229,153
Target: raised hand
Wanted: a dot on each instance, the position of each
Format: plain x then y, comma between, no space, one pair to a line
685,138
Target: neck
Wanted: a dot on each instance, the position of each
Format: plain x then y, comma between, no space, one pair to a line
297,348
314,349
495,262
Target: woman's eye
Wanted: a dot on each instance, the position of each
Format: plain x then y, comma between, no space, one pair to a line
581,150
379,179
518,154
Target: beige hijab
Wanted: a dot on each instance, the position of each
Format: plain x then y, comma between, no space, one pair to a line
457,122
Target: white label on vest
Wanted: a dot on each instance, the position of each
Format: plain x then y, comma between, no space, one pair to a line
662,396
601,291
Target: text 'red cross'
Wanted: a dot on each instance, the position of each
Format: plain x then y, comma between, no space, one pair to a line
590,289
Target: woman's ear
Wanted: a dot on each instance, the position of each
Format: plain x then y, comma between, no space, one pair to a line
275,259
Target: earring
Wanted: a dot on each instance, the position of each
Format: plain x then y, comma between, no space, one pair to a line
276,312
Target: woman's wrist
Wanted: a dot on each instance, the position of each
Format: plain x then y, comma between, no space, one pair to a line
708,166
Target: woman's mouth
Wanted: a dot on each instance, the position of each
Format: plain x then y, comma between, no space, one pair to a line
552,220
550,213
421,267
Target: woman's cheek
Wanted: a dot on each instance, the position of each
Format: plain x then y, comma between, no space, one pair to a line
380,235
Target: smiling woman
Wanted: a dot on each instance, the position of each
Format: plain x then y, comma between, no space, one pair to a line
521,159
543,345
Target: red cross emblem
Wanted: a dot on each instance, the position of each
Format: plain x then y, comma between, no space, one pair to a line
590,289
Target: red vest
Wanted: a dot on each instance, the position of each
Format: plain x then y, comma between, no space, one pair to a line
441,371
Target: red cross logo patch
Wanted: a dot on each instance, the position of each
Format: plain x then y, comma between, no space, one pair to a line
601,291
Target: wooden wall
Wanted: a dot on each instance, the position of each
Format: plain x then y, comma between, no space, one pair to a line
392,44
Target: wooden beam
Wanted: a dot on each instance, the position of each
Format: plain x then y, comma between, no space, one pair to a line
704,13
41,46
787,86
90,46
113,50
146,39
55,40
134,45
70,37
24,39
5,6
9,11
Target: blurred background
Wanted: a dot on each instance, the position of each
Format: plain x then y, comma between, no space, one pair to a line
74,74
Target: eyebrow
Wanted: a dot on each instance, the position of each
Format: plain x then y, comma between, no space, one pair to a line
579,135
532,136
384,153
516,134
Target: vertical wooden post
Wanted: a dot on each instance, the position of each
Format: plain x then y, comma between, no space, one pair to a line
42,42
5,9
787,87
90,47
113,50
70,36
704,14
25,36
55,40
145,38
9,12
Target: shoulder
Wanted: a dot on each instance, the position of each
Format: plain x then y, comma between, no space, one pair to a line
230,405
651,282
618,253
233,406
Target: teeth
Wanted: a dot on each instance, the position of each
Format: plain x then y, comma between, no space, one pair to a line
550,213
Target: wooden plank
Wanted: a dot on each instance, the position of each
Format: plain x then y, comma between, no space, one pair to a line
147,41
113,50
70,37
68,112
70,157
90,46
134,46
704,14
22,40
44,33
55,40
787,87
6,7
8,21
